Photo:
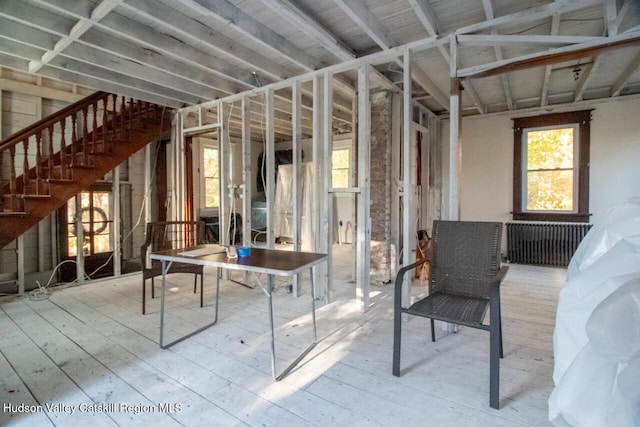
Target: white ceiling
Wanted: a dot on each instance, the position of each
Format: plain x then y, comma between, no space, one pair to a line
184,52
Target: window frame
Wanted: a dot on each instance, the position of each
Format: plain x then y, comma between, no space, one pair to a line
203,178
581,165
348,168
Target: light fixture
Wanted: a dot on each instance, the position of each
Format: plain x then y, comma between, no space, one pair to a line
576,72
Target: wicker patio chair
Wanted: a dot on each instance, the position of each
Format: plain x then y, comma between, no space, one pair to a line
465,277
171,235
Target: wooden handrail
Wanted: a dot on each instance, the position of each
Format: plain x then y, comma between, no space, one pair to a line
43,124
52,148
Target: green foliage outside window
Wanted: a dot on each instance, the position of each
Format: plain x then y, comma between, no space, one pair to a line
340,168
550,170
211,178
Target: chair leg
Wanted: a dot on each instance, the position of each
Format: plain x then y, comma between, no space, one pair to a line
153,289
397,335
201,289
500,330
144,294
495,346
433,331
195,283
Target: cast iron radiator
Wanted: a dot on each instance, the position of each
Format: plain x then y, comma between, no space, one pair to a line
543,243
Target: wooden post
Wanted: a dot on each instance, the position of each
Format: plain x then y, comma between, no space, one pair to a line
246,170
296,129
269,159
327,210
226,179
407,176
116,229
364,220
454,161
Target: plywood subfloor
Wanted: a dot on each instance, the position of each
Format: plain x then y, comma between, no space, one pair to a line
88,349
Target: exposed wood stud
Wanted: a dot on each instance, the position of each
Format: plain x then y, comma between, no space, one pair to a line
246,171
363,206
269,159
407,175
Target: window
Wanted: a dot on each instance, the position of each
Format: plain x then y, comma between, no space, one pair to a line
96,224
340,168
551,167
211,176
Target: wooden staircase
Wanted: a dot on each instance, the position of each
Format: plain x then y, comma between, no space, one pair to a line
65,153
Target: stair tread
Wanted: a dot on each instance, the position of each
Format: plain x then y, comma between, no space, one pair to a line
12,213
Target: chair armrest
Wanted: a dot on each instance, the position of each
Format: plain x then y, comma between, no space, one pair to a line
497,280
398,285
146,245
503,272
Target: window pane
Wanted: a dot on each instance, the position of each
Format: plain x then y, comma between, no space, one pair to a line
212,193
340,159
550,190
340,178
340,168
211,178
210,156
550,149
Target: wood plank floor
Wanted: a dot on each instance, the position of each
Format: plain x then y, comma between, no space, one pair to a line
86,356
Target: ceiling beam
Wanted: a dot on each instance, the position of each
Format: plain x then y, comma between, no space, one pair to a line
587,75
107,86
235,18
611,17
360,14
203,37
489,14
497,40
99,12
305,23
123,27
569,53
622,80
529,15
544,95
425,15
47,24
78,57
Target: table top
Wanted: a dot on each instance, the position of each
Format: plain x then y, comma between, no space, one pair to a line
270,261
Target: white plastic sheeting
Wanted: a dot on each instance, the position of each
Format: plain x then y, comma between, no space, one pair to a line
597,334
284,224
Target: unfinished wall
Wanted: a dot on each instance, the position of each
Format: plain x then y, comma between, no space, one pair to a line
26,99
487,160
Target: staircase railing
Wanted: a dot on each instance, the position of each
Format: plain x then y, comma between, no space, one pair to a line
50,149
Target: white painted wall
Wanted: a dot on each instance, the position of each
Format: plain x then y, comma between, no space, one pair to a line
487,160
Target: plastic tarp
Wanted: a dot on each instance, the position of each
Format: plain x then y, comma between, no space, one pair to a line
284,224
597,335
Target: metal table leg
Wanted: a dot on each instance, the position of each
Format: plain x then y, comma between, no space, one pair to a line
166,265
273,345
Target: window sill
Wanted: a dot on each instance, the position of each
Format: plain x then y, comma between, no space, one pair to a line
556,217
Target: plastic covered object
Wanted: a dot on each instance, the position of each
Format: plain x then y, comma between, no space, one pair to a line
618,222
597,334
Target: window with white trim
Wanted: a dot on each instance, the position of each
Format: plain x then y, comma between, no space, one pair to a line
551,167
340,161
211,177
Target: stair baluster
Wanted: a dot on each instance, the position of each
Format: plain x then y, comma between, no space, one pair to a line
74,138
65,164
39,163
25,165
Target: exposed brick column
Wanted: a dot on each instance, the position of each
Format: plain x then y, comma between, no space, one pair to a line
380,178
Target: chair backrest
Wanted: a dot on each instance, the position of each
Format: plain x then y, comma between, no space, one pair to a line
465,256
172,235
